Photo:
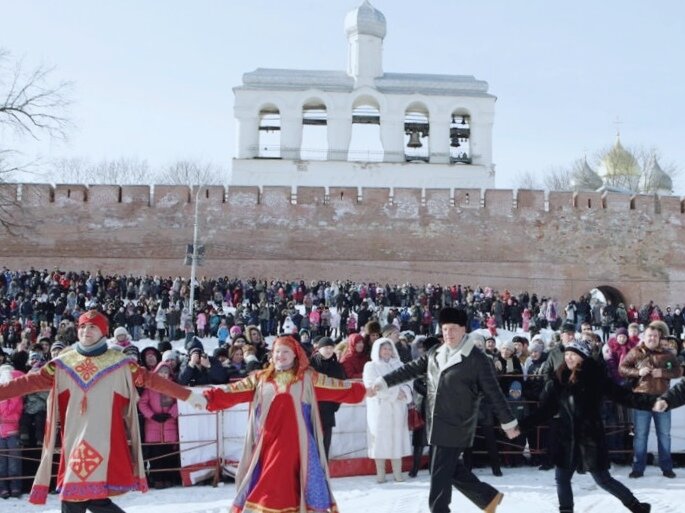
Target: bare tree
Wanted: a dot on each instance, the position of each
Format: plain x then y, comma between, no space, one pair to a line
121,171
527,180
189,172
31,105
558,179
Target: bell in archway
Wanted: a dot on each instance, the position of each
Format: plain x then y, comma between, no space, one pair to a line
455,142
414,140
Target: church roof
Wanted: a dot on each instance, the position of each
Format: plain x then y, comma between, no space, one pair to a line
367,20
389,83
656,179
585,179
620,162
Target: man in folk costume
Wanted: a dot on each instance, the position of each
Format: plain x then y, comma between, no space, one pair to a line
93,402
283,467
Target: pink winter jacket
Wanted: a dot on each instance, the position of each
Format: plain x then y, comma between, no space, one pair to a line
10,412
151,403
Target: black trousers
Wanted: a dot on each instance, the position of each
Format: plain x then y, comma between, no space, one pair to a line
96,506
327,436
447,470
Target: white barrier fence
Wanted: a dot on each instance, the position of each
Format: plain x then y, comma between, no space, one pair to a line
201,446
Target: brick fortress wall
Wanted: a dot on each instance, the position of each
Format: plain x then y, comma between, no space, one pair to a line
561,244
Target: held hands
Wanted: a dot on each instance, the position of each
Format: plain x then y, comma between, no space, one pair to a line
370,392
402,396
512,433
197,400
644,371
660,406
658,373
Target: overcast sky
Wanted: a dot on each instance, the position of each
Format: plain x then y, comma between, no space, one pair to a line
153,79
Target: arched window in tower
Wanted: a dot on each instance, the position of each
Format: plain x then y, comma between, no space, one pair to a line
269,133
460,137
365,140
416,136
314,131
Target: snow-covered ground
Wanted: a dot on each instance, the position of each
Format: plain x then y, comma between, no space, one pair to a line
525,490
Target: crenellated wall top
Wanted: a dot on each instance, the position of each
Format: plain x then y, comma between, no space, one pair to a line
493,201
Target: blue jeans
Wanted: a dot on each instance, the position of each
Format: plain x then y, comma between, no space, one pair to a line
10,464
602,478
662,425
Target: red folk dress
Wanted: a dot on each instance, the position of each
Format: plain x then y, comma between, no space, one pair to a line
283,468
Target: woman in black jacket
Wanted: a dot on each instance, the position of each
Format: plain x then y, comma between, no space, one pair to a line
576,393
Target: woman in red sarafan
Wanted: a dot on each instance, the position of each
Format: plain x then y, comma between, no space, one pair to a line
283,467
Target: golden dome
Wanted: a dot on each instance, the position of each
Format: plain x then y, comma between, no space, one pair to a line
620,162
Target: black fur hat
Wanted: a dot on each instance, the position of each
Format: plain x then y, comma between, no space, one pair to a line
451,315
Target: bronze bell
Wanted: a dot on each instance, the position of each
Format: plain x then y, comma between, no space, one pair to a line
455,142
414,140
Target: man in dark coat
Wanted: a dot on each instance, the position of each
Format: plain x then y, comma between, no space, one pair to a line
456,374
325,362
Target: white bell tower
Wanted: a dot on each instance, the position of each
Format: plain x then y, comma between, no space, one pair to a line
365,28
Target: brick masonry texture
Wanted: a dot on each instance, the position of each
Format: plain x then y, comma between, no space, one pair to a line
561,245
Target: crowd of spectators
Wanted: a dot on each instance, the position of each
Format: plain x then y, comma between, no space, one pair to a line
38,309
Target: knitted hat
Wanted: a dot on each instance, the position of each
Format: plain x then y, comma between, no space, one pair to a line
451,315
195,349
580,347
95,318
621,331
171,354
57,345
35,356
120,331
568,327
132,351
515,387
235,330
388,329
537,347
325,342
508,345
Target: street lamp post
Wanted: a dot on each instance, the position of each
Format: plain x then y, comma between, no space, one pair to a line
193,264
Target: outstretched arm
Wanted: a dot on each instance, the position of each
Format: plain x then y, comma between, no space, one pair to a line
29,383
337,390
411,370
220,398
146,379
673,398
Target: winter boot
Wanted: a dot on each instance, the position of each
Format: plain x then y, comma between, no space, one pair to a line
380,471
639,507
397,470
416,461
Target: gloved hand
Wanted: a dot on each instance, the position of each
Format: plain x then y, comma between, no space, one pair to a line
197,400
161,417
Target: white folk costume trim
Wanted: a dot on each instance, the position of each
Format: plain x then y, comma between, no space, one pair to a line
91,471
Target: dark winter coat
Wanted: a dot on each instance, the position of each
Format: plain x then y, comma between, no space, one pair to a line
454,393
217,374
675,397
581,441
332,369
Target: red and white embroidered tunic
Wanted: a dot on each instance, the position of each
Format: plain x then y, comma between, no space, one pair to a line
92,403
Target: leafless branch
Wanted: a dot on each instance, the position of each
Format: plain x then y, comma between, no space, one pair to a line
30,103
